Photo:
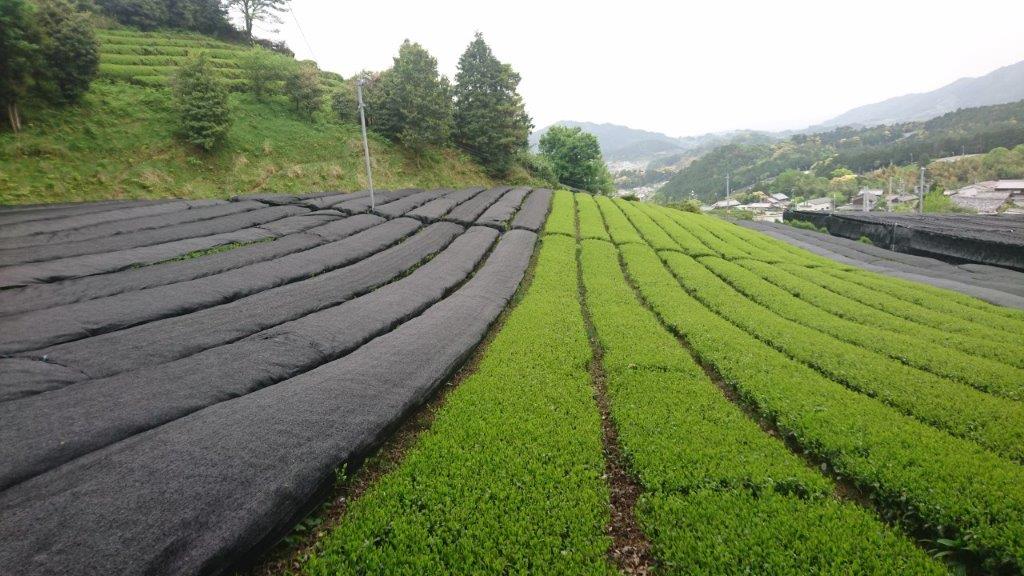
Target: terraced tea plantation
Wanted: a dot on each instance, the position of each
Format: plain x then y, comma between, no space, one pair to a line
651,390
152,58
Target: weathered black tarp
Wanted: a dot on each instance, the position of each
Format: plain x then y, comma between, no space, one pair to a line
39,296
197,494
534,211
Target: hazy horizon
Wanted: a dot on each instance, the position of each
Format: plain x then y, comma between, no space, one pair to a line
680,70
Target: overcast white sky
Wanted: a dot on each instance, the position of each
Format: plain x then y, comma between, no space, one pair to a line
682,68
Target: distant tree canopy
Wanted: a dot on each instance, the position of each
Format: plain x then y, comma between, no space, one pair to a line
413,101
490,118
47,48
203,16
576,158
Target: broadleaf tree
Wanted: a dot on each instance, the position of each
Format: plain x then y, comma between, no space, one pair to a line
19,51
253,11
490,120
303,88
576,158
69,51
415,100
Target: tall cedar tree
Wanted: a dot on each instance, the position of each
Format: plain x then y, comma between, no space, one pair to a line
576,158
19,50
490,120
69,49
201,101
416,104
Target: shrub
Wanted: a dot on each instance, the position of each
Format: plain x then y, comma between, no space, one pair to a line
687,206
539,167
201,102
304,90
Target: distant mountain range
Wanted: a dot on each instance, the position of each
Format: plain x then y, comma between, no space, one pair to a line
624,144
676,159
997,87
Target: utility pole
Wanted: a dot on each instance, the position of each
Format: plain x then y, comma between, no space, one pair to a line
920,193
727,190
366,144
888,203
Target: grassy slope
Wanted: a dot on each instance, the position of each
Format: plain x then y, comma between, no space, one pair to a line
119,144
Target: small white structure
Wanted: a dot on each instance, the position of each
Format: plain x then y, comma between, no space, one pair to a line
727,203
779,197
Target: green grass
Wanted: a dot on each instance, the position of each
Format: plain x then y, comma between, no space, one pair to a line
120,143
508,480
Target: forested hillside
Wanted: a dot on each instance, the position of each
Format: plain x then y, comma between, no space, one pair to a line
159,98
847,149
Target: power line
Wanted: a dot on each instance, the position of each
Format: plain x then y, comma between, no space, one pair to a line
301,33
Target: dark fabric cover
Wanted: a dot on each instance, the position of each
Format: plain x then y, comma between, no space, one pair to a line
218,225
333,198
28,212
435,209
197,494
399,207
380,197
78,220
179,336
89,264
39,296
128,225
91,318
46,430
500,213
467,212
534,211
23,377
